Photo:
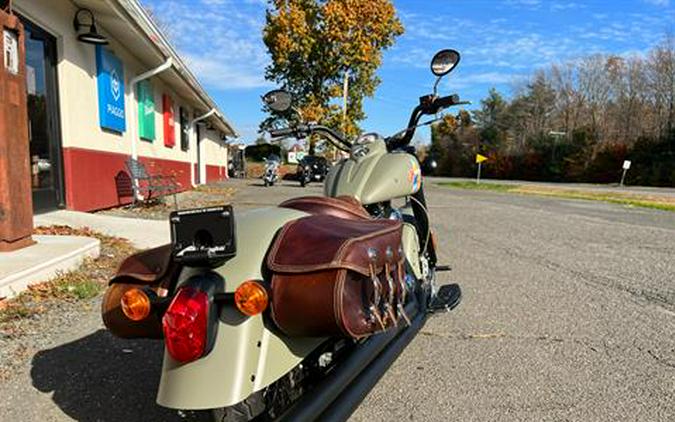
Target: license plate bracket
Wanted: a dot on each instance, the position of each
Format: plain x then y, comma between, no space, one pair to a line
203,237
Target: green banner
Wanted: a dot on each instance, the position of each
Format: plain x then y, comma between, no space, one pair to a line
146,111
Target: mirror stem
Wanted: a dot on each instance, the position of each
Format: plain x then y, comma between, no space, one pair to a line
438,79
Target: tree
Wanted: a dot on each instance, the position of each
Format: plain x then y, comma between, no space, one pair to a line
318,47
491,118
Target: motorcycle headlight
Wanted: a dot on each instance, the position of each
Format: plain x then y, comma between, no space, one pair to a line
367,138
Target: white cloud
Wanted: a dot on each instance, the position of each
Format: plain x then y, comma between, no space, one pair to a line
217,74
222,44
658,2
512,46
524,3
460,81
559,6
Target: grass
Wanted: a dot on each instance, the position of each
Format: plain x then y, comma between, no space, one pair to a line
478,186
628,199
85,282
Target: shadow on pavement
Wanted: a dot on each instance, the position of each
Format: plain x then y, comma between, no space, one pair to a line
102,378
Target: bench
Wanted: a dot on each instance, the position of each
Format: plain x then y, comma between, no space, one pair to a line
146,186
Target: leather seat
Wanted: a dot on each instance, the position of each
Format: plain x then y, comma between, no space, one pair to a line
345,207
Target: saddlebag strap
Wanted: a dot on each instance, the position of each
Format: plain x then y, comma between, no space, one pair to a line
322,242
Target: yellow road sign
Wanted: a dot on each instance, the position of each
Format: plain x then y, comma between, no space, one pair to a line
480,158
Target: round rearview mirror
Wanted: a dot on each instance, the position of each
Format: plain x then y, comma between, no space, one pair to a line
444,61
278,100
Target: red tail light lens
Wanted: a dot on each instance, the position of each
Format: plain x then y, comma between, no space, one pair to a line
185,325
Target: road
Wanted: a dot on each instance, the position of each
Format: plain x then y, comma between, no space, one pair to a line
568,314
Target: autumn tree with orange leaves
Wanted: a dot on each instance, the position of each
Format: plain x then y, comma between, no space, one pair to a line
318,47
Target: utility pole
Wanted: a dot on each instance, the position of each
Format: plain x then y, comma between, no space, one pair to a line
345,93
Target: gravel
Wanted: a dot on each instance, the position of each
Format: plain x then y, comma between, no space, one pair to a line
568,314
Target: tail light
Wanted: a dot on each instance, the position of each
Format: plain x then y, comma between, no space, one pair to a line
185,325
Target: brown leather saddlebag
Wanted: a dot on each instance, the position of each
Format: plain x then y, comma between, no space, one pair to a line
335,276
153,268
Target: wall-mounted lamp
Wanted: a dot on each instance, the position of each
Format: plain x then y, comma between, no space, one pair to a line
92,36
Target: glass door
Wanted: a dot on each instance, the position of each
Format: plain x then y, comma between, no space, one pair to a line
43,119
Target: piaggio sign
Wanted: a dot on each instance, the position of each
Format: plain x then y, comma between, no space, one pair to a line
110,81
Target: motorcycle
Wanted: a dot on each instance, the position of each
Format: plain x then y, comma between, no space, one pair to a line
296,311
271,170
312,168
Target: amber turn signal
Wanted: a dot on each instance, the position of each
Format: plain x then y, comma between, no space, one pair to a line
135,304
251,298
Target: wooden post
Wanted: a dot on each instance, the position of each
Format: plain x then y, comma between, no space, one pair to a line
16,207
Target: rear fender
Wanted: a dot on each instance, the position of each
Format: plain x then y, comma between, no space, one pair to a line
247,355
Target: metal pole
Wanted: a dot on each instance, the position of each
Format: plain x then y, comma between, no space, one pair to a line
623,176
478,175
194,154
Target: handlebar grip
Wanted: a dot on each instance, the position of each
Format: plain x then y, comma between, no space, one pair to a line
277,133
448,101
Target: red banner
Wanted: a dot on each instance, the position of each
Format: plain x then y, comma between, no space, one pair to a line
169,135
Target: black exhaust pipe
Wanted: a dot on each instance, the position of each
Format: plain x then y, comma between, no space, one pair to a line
338,395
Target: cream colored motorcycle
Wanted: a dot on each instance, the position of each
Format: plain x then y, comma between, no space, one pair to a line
296,311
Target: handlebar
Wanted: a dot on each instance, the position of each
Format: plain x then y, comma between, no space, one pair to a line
429,104
301,131
448,101
278,133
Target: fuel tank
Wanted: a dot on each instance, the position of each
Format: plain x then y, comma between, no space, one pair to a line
372,175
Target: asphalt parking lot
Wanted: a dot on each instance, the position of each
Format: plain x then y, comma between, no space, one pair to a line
568,314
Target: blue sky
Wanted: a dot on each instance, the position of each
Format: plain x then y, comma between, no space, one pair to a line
501,41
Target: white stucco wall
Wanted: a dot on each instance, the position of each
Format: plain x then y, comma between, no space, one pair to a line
78,97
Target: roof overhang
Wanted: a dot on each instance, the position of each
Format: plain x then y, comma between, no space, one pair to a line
129,24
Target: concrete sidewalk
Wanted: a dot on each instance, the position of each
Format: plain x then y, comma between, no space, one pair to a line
43,261
141,233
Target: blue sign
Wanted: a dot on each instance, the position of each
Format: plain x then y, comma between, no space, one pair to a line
110,80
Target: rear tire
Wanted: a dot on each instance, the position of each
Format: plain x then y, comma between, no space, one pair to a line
243,411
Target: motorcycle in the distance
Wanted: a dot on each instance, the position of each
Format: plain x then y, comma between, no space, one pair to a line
271,170
312,168
296,311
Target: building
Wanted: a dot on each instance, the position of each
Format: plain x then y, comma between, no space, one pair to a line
92,106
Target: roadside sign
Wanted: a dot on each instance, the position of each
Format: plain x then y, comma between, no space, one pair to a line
626,166
479,160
